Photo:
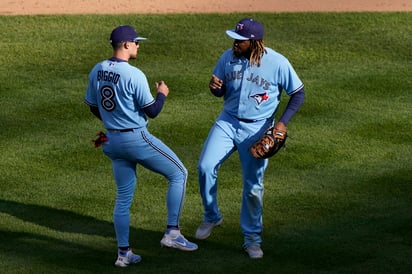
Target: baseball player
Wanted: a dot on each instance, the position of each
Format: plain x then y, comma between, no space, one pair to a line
119,95
250,77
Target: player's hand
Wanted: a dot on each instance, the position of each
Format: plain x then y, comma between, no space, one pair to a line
162,87
280,126
215,82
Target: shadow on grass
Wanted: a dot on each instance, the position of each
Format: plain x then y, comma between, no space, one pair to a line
375,240
75,246
67,242
57,219
39,253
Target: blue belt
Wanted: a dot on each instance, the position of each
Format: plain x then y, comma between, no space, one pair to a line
246,120
120,130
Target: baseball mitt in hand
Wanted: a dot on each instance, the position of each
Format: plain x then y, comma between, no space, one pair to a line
269,144
100,139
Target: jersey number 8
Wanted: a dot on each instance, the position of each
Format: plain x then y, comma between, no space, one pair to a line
108,94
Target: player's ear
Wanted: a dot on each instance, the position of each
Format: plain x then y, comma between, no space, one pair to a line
126,45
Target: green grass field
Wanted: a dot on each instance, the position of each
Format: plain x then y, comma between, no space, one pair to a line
337,200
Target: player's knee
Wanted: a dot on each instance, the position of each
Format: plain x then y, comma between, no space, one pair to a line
204,167
185,173
179,175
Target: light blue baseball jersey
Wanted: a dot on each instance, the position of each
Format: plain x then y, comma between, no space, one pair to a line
120,91
259,87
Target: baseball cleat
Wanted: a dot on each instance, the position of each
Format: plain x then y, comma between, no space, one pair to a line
174,239
205,228
126,258
254,252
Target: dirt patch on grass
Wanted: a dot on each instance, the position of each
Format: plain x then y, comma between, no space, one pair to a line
28,7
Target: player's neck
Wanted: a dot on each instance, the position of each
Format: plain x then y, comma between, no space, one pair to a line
121,55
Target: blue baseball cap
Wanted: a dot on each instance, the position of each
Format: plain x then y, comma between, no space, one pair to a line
247,29
124,33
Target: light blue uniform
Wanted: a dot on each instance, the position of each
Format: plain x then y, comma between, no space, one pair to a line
121,91
252,97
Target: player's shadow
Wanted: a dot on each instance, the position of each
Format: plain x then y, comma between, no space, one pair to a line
70,222
57,219
68,253
62,252
50,252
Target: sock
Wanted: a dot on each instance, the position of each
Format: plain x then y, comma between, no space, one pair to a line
123,249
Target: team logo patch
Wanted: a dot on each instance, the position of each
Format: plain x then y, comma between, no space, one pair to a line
239,27
260,97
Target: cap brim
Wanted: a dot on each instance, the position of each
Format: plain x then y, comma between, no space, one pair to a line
234,35
139,39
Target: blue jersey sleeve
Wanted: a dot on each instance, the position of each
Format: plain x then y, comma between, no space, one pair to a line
91,95
288,78
220,67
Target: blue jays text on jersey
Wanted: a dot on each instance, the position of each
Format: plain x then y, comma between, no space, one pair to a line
258,80
253,92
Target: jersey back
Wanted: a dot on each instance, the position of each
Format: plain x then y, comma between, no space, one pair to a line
120,91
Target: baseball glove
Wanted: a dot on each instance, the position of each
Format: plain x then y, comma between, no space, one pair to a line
269,144
100,139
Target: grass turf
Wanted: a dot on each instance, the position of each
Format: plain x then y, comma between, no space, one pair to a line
337,200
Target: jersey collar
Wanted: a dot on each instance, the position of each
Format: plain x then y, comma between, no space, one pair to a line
115,59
